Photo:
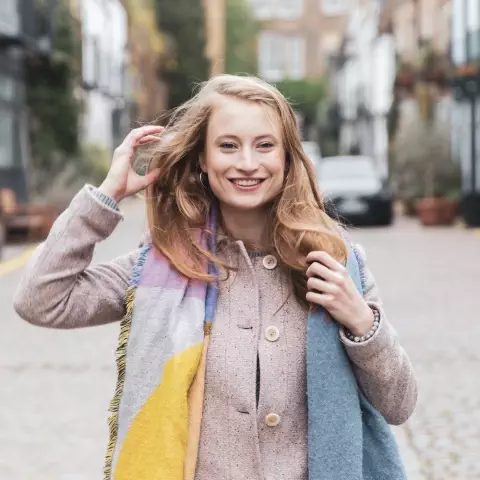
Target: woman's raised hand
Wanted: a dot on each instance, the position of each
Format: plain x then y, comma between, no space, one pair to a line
122,181
330,285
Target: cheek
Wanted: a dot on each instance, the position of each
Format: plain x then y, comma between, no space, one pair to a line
277,165
214,164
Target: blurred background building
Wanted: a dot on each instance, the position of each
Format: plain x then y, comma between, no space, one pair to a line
105,76
296,37
364,76
25,32
215,34
465,38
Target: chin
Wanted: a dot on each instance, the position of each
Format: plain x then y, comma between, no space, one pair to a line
244,206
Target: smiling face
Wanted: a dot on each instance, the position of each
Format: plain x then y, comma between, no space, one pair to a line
244,155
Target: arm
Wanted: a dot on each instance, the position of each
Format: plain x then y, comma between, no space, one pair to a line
381,366
59,289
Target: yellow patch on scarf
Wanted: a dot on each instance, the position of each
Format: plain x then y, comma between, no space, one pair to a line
155,444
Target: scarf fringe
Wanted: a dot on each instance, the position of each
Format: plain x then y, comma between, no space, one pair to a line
121,360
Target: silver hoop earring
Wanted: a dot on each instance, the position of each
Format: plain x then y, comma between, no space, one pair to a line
202,181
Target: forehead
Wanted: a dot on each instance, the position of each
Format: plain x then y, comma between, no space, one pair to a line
237,117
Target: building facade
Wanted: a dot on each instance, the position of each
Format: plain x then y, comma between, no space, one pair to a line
466,105
107,91
380,35
365,76
297,37
24,29
417,21
215,22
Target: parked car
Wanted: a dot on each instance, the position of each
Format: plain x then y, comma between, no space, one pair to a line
312,150
355,191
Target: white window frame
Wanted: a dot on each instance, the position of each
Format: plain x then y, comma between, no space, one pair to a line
266,50
272,9
328,8
295,63
290,50
289,9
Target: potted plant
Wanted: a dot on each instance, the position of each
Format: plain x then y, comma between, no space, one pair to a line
427,179
405,77
439,204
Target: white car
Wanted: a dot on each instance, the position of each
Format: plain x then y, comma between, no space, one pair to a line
354,190
312,150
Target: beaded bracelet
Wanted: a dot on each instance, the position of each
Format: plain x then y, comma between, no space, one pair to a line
376,324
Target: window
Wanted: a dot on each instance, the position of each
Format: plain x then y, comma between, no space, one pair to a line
459,51
261,8
281,56
334,7
289,8
91,61
7,89
7,138
9,18
270,9
295,56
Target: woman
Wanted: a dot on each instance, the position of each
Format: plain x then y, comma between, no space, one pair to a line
253,343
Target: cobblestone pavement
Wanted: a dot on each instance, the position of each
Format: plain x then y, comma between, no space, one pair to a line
56,385
429,281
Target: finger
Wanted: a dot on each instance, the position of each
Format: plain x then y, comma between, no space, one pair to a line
129,143
321,286
136,134
319,298
150,177
318,270
326,259
148,139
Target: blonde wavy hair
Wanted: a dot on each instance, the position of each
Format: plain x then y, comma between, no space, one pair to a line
178,204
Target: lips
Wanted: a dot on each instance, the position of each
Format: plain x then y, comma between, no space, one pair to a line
250,182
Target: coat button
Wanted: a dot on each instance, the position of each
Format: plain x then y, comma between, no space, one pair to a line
272,334
269,262
272,419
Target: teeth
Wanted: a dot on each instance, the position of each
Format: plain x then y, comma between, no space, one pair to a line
246,183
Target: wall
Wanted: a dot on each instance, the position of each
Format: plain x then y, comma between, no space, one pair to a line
297,38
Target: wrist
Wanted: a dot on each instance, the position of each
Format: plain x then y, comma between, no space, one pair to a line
359,336
364,324
109,190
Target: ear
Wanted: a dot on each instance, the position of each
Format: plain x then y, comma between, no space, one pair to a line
201,162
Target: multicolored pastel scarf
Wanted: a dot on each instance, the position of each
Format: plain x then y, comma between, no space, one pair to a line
161,356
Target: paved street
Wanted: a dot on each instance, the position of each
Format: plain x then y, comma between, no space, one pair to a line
56,385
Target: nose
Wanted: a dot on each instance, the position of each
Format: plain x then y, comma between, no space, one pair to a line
248,162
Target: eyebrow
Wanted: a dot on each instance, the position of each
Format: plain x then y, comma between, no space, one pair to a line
259,137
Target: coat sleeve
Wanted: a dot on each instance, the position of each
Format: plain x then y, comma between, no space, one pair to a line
383,370
59,288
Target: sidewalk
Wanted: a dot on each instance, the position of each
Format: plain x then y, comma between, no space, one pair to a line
15,255
410,457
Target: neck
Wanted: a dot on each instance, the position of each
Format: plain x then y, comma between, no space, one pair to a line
248,226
